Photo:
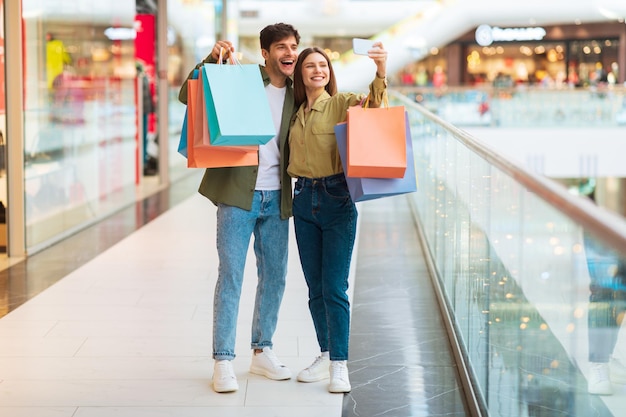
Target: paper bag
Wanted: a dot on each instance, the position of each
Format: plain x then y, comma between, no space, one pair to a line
238,110
200,152
363,189
376,142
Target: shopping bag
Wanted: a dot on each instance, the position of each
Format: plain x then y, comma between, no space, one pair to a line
363,189
376,142
200,152
182,142
238,110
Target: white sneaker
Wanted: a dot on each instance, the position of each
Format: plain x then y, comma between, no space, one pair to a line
598,382
339,379
617,371
267,364
224,379
318,370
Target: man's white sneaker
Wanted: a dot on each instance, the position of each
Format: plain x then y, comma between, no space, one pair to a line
318,370
224,379
339,379
267,364
598,382
618,371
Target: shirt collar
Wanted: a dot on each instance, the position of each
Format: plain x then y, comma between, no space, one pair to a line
320,102
318,105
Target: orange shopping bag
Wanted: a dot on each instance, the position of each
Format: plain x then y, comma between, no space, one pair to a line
376,142
200,152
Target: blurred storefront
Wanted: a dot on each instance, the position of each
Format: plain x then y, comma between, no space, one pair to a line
72,119
69,141
3,129
80,117
575,55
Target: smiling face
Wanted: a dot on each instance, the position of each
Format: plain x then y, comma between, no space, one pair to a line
280,59
315,71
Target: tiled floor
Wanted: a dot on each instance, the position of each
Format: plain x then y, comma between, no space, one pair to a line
400,361
116,322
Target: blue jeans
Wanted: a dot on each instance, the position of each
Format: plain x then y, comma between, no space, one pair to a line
607,299
325,225
271,234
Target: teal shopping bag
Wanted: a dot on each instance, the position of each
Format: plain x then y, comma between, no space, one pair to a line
182,142
238,110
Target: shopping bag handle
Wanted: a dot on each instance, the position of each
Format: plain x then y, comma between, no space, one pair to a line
231,56
365,102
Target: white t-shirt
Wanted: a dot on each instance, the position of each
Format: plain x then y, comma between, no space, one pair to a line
269,154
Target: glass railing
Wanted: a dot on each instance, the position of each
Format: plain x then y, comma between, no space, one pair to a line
532,278
524,106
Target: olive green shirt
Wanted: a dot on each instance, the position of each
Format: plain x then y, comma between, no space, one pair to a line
234,186
312,144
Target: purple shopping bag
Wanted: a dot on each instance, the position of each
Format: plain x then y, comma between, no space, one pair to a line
363,189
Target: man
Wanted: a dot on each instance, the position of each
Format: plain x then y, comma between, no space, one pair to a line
254,200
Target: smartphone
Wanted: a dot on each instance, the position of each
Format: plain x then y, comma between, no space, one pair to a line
361,46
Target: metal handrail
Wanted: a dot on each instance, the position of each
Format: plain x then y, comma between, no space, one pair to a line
606,226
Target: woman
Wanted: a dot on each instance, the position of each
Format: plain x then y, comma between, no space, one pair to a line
324,214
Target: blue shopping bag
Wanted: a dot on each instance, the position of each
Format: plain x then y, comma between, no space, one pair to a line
238,110
182,142
363,189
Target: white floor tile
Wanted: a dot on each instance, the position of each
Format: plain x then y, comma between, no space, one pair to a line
129,335
264,393
275,411
37,346
37,411
130,329
106,368
115,392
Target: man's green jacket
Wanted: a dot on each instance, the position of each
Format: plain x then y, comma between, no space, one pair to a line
235,185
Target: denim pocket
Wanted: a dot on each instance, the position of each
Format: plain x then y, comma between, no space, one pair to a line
297,189
338,190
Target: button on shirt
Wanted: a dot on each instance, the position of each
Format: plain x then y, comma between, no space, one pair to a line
312,143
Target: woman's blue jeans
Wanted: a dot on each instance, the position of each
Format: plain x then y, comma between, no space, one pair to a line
325,225
607,299
271,234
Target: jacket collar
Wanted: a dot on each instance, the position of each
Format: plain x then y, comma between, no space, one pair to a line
266,77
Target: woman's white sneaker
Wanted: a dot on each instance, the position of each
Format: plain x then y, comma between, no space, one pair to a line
318,371
339,379
224,379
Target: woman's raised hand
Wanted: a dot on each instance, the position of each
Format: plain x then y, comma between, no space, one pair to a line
378,53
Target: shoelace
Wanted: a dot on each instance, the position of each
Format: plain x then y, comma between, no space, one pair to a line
273,359
340,372
317,362
225,371
599,372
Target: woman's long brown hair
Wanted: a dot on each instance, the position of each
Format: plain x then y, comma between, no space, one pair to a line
299,92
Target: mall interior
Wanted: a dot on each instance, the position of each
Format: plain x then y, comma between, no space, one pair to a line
496,288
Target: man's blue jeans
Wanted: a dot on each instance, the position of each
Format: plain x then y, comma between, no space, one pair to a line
325,225
271,234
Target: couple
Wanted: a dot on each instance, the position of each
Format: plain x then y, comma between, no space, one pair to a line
258,199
